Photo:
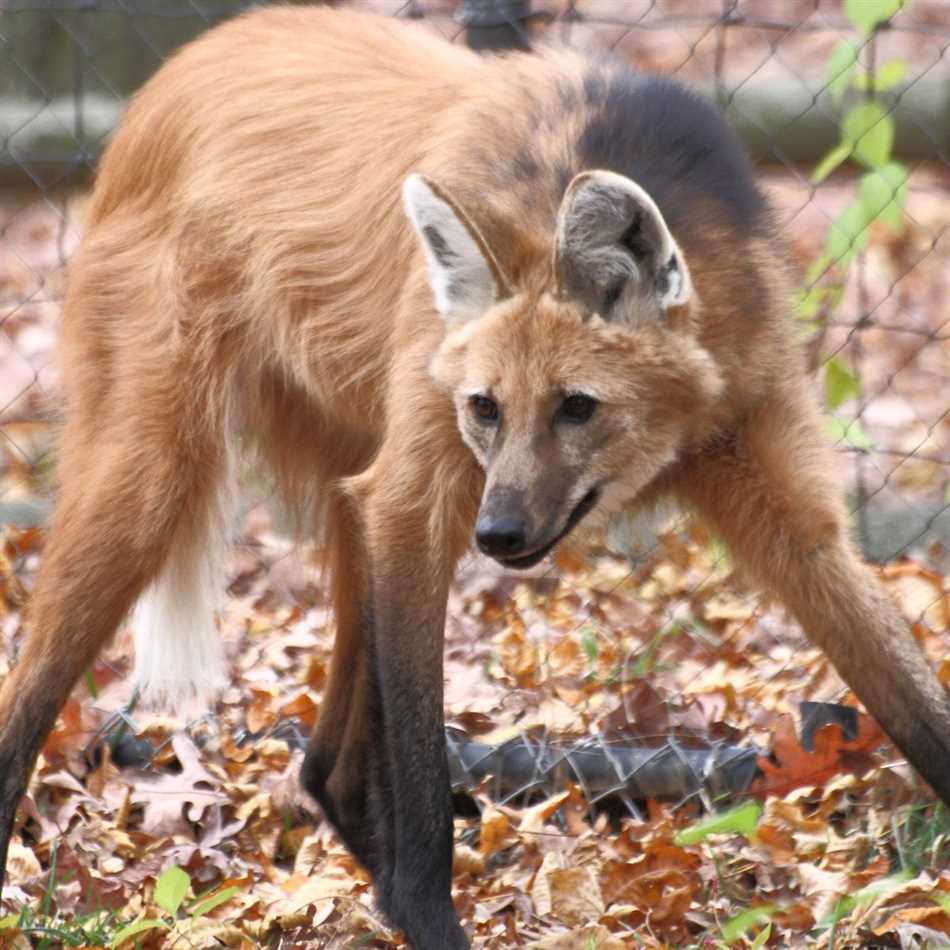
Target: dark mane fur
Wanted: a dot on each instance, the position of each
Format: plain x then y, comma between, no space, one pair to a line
674,143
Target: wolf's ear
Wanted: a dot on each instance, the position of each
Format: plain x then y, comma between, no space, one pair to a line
613,251
465,277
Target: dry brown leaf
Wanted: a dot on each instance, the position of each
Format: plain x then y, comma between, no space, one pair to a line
466,860
798,767
13,595
164,798
534,819
70,733
922,594
261,714
576,811
305,897
934,918
663,880
725,606
195,932
490,907
519,657
235,753
575,895
572,895
582,938
541,887
22,863
787,832
567,658
302,707
494,831
823,889
14,940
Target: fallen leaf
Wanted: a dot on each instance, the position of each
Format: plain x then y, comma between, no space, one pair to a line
796,767
934,918
170,802
575,895
583,938
493,831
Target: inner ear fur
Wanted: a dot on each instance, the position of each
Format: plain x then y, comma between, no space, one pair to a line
612,247
501,280
464,273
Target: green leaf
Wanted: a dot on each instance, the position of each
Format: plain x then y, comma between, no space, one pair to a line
589,644
840,383
837,156
883,192
867,14
11,920
848,234
840,68
762,938
137,927
817,269
849,431
886,77
202,907
736,926
869,130
90,684
942,899
740,820
718,553
808,302
171,888
808,305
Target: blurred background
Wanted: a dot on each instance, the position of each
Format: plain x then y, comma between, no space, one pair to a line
844,106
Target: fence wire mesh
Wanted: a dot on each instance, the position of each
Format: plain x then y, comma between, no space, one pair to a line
616,677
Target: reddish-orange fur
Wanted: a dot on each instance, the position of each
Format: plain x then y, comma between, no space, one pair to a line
248,269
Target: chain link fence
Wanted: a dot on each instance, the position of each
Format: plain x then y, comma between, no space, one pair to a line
869,237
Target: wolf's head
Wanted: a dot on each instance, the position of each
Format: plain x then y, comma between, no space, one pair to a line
576,395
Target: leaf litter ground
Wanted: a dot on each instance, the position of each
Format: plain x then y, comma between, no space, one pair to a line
591,649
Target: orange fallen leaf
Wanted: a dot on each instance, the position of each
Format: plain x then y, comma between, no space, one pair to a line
795,766
519,656
301,707
495,829
572,895
935,918
69,733
261,715
596,937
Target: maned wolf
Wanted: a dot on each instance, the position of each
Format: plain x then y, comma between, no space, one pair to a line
454,299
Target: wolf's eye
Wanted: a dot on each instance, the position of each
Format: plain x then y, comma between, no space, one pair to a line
577,408
485,409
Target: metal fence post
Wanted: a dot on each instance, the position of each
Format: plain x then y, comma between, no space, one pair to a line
495,24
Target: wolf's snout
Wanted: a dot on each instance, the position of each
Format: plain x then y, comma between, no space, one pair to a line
504,536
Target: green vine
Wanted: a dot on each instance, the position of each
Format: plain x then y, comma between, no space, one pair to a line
866,141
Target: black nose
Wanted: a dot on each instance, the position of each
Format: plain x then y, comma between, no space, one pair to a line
501,537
